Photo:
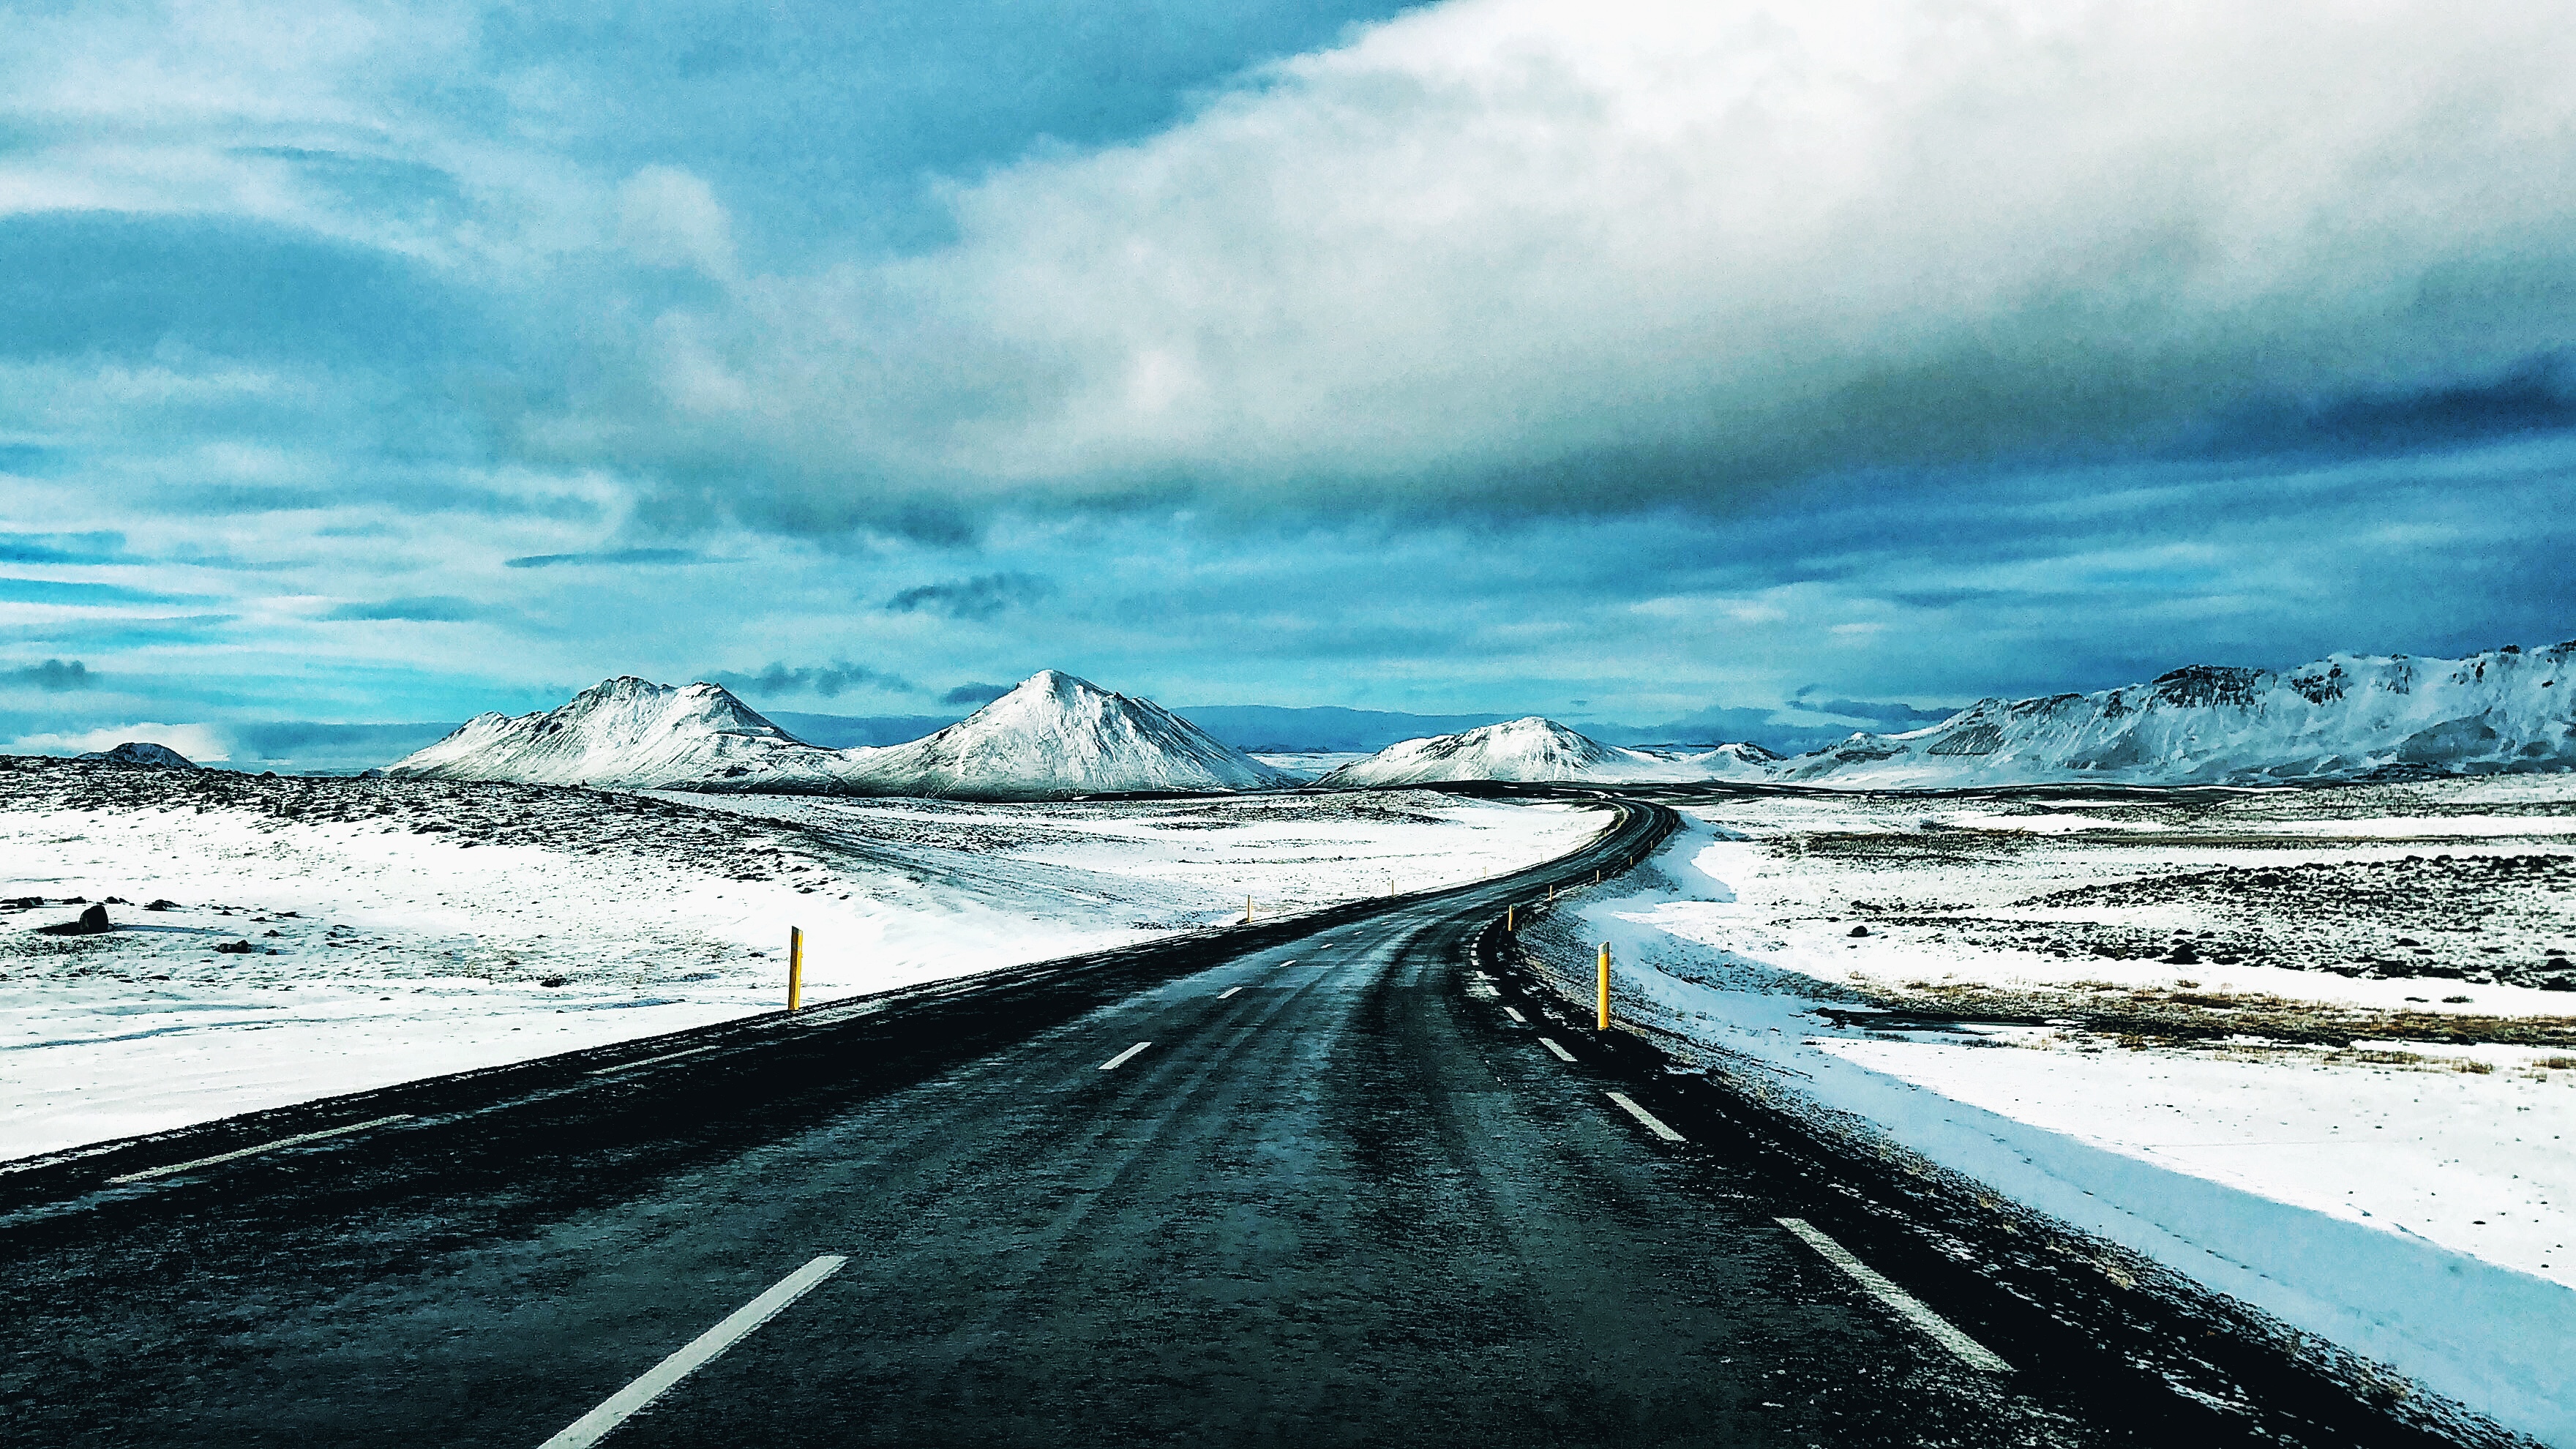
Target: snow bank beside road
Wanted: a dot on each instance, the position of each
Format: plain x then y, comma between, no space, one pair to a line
2375,1194
401,929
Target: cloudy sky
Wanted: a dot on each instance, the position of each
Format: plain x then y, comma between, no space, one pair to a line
1624,362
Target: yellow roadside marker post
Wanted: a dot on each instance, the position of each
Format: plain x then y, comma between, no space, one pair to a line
1507,919
1605,986
795,966
1247,910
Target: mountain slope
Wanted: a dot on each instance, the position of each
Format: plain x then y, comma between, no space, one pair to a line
1528,749
1055,736
625,732
2344,717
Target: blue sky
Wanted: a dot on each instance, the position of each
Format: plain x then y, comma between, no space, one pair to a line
1641,363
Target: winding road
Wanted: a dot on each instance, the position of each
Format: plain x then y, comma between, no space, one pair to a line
1341,1179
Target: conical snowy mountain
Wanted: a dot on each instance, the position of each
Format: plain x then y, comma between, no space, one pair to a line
1056,736
625,732
1529,749
2341,718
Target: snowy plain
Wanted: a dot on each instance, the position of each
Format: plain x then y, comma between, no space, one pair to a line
2185,1023
390,930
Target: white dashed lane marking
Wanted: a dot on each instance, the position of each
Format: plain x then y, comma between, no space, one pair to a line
1653,1123
590,1428
1908,1307
1229,991
648,1061
1562,1054
297,1139
1514,1013
1120,1060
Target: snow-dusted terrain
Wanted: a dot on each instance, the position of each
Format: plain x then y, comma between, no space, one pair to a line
1540,750
318,936
2316,1048
1053,737
2346,717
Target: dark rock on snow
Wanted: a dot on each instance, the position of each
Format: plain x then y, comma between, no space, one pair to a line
92,922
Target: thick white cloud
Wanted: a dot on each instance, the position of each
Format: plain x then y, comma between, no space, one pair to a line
1761,238
670,218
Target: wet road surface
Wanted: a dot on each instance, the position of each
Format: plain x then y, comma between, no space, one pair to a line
1322,1182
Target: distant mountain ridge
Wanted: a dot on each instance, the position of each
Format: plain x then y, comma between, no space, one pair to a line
2344,717
1534,750
1053,736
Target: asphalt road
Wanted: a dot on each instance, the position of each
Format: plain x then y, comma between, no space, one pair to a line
1310,1183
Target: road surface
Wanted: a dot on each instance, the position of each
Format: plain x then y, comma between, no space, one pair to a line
1343,1180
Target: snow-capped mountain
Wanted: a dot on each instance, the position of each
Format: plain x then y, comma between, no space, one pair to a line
2341,718
1054,736
1743,760
141,753
1529,749
625,732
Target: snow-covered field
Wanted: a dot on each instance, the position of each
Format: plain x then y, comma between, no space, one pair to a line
2311,1047
388,930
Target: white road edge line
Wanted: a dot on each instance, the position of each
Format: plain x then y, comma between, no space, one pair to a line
647,1061
1514,1013
1120,1060
1908,1307
1562,1054
301,1137
590,1428
1229,991
1653,1123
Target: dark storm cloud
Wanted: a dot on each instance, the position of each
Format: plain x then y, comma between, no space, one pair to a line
975,694
1886,716
56,676
2535,395
978,599
826,680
